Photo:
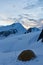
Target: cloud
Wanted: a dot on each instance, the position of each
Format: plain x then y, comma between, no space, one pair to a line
6,21
24,20
33,4
28,22
30,4
35,7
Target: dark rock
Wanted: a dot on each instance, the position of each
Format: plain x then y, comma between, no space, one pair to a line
26,55
40,36
8,32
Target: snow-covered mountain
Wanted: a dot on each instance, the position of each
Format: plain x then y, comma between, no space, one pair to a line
15,28
13,45
34,29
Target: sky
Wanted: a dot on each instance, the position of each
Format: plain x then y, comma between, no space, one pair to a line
13,9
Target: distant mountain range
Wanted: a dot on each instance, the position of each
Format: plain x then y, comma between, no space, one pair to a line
16,29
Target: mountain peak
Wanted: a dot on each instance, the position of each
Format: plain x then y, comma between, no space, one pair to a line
15,28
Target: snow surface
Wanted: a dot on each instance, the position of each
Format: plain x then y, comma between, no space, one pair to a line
12,46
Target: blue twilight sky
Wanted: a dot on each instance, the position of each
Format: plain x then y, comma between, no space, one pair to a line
10,9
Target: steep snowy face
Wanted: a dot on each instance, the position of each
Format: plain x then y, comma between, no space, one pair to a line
15,28
19,27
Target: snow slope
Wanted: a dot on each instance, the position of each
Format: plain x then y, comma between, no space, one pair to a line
11,47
